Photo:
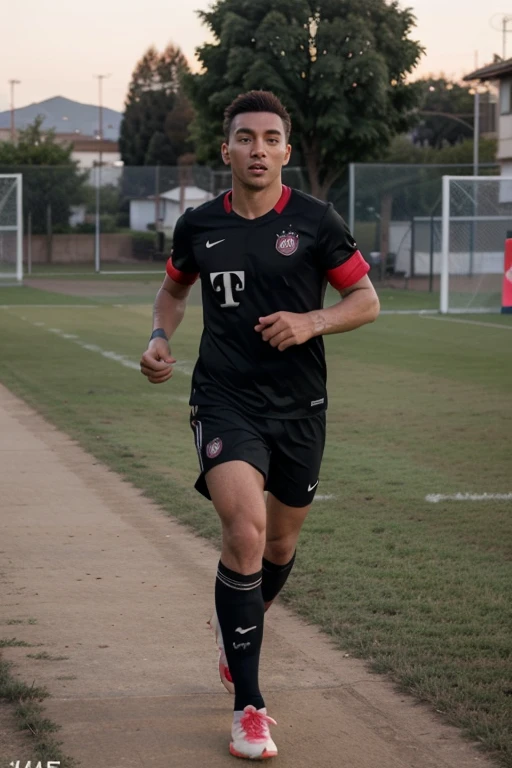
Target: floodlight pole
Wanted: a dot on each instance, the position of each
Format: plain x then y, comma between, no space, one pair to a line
12,83
351,198
97,243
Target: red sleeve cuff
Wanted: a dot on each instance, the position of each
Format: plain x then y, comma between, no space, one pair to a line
348,273
184,278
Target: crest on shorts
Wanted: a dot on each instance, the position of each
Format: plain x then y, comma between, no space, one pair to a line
214,447
287,243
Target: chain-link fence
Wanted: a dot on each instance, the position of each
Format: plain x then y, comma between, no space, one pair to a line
113,218
395,213
123,217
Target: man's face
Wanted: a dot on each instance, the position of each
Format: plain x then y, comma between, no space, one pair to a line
257,149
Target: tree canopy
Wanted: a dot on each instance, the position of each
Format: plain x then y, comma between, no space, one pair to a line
154,129
445,111
339,66
51,179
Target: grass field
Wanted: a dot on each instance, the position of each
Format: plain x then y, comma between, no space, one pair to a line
419,405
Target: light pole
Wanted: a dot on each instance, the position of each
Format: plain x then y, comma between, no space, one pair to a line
12,83
100,108
504,22
97,255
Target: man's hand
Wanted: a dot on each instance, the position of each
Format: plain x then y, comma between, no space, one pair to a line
156,362
285,329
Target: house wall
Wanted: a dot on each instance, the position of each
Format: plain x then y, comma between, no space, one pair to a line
68,249
89,159
142,213
505,138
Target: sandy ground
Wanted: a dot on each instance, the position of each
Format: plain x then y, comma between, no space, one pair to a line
123,592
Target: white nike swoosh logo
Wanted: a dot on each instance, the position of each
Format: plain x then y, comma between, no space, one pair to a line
210,245
312,487
244,631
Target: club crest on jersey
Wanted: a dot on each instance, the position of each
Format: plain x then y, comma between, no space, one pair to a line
214,447
287,243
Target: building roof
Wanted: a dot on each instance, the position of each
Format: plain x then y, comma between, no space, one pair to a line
496,71
190,194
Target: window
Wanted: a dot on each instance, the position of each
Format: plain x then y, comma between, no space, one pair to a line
505,97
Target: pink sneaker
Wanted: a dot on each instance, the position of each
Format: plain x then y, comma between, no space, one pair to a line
250,735
224,673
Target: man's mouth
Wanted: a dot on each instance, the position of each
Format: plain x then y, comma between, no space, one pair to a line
258,168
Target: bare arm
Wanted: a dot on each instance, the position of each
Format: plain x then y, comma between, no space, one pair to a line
359,305
168,311
170,304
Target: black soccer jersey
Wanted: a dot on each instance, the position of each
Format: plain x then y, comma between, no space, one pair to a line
251,268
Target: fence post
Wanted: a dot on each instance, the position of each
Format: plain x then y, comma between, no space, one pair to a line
445,250
49,233
29,243
431,263
351,198
412,264
97,256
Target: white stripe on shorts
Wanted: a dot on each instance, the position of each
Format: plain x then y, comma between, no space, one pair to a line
198,434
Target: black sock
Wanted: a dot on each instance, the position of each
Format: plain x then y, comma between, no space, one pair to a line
274,578
240,611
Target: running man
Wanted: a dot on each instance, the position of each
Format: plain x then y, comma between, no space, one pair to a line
264,253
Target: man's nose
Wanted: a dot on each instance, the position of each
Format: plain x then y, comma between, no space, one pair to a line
258,148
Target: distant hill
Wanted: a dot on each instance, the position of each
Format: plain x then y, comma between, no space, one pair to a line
66,116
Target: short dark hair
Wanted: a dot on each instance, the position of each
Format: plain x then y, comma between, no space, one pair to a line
256,101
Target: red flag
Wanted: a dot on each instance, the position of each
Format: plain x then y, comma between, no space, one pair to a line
506,301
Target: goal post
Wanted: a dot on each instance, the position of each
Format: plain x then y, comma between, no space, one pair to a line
476,221
11,228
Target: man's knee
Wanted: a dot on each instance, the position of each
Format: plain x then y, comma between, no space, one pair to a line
244,538
280,550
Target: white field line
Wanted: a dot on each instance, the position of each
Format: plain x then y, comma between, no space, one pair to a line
409,311
51,306
435,498
325,497
469,322
182,367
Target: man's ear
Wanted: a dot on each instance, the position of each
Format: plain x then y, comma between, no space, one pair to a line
224,151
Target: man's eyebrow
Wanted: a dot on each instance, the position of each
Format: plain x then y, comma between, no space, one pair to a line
250,131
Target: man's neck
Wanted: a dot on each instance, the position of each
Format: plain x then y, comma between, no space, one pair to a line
253,203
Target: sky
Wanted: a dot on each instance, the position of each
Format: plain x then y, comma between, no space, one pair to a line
55,47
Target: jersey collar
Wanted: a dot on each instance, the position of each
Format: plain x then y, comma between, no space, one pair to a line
279,207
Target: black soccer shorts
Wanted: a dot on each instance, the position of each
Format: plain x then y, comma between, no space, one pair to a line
287,452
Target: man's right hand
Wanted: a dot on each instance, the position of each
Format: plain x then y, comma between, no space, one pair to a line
156,362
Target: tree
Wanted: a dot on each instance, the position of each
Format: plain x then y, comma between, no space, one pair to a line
52,182
154,129
446,113
339,66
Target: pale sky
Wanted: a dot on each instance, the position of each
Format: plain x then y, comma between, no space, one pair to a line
55,47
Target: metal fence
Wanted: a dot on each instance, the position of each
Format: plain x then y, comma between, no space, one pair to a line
113,217
394,213
123,217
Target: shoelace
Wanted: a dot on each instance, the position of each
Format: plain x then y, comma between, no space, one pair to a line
255,724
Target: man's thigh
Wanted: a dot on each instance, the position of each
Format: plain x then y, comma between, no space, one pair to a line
296,456
222,435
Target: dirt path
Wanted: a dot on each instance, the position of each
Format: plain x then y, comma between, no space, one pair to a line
123,593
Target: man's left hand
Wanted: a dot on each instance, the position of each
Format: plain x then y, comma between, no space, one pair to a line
285,329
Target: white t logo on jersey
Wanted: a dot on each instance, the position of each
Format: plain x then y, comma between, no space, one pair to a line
227,282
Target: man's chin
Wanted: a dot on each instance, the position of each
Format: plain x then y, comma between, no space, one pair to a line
258,183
